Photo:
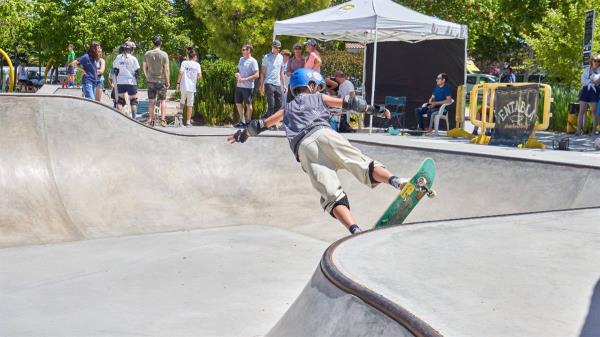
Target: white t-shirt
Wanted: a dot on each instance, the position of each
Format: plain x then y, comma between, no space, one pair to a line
127,65
345,88
191,70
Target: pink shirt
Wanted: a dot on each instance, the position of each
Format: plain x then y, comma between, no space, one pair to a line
311,60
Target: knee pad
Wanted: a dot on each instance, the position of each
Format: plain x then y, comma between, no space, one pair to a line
121,101
343,201
371,169
133,101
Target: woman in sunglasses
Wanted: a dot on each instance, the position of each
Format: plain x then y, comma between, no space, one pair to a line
588,95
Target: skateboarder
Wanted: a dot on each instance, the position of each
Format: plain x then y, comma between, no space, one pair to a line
320,150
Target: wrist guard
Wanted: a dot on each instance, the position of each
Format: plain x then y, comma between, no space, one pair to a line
241,136
255,127
354,103
376,110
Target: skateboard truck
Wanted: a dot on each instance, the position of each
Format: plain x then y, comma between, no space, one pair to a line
422,184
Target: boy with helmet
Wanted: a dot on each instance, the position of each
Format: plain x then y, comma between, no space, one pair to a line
320,150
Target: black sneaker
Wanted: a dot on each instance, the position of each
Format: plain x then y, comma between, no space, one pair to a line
240,125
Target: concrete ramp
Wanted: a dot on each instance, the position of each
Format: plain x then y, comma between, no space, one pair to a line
72,170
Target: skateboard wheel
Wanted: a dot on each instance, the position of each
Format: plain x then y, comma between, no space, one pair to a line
431,193
421,182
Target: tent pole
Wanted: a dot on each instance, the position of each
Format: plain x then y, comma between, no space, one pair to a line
373,78
364,77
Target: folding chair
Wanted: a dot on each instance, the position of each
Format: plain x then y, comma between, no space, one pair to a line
398,109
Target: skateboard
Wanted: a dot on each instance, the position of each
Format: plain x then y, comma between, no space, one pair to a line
410,195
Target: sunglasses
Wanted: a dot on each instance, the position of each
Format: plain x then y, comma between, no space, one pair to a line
439,78
244,49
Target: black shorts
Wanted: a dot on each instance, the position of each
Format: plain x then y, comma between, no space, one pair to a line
130,89
243,95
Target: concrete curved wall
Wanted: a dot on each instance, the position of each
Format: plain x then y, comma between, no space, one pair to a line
72,169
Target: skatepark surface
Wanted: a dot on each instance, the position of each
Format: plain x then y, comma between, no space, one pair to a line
111,228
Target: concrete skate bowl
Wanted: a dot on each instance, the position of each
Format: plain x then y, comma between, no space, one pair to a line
75,170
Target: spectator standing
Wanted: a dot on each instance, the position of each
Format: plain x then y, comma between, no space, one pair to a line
271,78
70,68
441,95
189,74
127,70
296,62
313,60
345,88
100,67
22,76
156,69
246,75
87,63
588,95
509,76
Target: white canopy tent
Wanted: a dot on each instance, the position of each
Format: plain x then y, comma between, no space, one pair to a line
370,21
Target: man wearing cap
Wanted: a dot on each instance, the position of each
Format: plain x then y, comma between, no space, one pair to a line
296,61
271,79
156,69
344,88
313,60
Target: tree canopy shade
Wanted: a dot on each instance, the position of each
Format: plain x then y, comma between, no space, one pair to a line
232,23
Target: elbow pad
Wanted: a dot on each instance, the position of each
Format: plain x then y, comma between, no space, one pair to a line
354,103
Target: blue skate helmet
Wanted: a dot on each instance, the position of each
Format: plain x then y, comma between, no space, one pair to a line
303,77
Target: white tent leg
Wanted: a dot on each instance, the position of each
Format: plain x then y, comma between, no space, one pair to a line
373,79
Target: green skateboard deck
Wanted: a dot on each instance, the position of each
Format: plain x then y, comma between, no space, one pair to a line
409,196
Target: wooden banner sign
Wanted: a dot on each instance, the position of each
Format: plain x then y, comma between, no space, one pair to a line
515,114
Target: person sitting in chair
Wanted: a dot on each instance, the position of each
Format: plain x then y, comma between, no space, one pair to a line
441,95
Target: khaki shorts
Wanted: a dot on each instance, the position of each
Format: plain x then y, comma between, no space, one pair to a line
325,152
187,98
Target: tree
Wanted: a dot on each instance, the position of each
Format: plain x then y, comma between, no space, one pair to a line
232,23
16,32
191,27
557,41
497,28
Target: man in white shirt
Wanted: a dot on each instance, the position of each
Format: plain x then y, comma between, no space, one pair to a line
345,88
189,74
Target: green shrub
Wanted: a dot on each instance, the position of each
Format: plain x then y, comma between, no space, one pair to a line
350,63
562,96
215,92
